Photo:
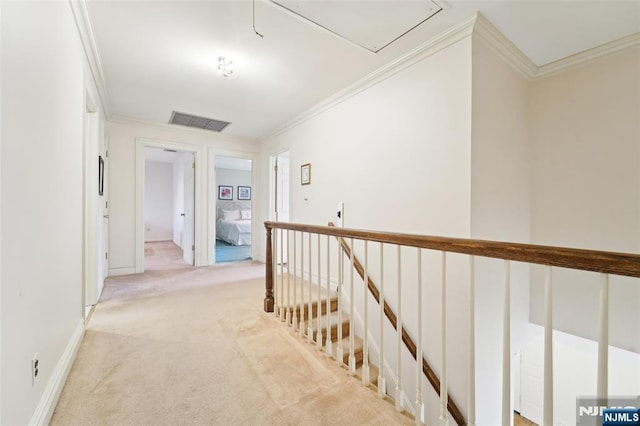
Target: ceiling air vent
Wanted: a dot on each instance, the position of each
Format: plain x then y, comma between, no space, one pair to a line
197,122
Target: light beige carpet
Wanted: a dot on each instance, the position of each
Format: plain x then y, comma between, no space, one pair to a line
192,346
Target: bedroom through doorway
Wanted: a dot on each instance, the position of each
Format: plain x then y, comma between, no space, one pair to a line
233,222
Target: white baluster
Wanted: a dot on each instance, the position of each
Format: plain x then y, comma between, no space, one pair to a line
382,385
294,321
472,342
276,291
288,315
302,318
603,341
419,405
399,406
282,307
340,350
506,347
319,305
352,357
310,313
365,340
548,349
328,344
444,419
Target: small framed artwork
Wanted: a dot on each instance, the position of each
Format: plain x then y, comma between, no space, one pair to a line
244,193
225,192
305,174
100,175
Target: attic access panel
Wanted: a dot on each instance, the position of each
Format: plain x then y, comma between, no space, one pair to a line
372,24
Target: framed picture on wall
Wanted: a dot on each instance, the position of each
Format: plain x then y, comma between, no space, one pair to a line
244,193
225,192
305,174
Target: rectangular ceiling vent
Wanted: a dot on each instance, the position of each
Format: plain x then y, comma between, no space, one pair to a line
197,122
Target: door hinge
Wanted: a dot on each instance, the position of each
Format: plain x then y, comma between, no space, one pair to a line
106,154
193,165
275,168
106,204
193,247
106,256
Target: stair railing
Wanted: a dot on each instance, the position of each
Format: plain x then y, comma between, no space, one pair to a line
605,263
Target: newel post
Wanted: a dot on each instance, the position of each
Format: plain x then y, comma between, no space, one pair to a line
268,297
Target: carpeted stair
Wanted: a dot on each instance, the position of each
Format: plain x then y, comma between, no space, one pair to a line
336,322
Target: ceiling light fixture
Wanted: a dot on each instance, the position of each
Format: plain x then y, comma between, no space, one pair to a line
224,66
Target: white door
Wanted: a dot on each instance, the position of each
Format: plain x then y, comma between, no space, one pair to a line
280,201
282,187
188,238
103,218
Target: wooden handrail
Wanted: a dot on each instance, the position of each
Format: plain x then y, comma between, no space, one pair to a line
626,264
408,341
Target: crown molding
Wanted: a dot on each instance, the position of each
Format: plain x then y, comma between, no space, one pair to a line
85,30
509,52
425,50
591,55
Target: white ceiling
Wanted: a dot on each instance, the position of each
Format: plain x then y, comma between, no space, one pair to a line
160,56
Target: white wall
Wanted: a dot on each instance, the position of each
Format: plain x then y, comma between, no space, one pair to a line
233,178
500,210
585,136
398,155
575,363
122,155
158,201
42,201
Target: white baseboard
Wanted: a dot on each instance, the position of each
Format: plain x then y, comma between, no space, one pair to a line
49,399
115,272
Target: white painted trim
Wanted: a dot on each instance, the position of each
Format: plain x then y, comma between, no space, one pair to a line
509,52
1,257
630,42
85,31
477,26
158,240
201,242
51,394
116,272
425,50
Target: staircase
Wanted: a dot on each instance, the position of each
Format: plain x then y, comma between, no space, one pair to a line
329,330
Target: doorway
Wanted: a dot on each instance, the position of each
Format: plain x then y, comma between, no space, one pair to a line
279,197
233,220
96,214
169,209
280,187
180,227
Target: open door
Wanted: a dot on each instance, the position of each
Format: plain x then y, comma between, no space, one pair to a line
280,196
281,187
188,242
103,210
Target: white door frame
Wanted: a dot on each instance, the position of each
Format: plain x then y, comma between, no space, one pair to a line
91,258
200,243
213,198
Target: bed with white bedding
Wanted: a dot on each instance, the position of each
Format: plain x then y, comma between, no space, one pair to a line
233,224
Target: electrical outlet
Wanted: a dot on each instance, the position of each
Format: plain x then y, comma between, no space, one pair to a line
35,369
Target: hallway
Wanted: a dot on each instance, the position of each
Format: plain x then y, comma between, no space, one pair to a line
193,346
